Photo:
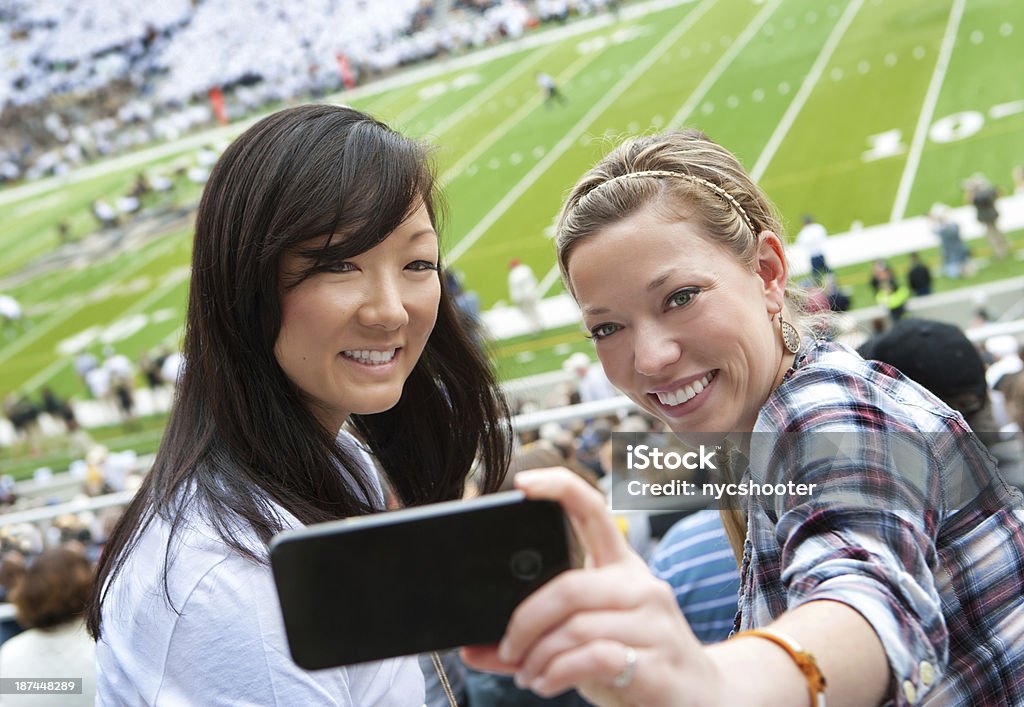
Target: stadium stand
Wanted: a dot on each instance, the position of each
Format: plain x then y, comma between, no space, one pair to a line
83,80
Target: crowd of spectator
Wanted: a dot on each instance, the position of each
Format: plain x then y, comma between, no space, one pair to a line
83,80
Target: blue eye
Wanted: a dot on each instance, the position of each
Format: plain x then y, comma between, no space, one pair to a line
683,297
603,331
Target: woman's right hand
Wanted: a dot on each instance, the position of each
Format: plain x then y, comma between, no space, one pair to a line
580,629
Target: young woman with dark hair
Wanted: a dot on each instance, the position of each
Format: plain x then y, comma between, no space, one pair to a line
315,301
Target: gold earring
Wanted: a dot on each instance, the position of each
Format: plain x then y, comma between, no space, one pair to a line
790,336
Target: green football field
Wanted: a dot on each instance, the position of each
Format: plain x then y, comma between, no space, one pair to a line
858,111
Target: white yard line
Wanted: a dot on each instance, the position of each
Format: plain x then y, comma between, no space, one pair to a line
570,138
52,322
722,64
476,101
924,120
805,90
513,120
549,280
154,295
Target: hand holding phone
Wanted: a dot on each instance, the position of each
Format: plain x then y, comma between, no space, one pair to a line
416,580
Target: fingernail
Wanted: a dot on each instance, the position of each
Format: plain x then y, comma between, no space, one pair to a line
519,680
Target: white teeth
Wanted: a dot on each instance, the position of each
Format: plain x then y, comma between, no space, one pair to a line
686,392
371,357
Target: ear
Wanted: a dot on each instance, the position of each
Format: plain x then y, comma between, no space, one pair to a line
772,269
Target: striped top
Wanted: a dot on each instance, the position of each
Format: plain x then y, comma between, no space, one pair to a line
695,558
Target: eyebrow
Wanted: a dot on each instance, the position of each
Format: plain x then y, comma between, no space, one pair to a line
651,286
658,281
424,232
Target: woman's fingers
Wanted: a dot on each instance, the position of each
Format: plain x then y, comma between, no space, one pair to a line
485,657
594,666
564,596
585,507
634,628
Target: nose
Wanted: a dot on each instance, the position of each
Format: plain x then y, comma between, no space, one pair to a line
383,305
654,348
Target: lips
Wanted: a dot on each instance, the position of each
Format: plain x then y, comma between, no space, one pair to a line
683,394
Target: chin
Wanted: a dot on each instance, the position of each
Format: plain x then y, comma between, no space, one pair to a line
375,407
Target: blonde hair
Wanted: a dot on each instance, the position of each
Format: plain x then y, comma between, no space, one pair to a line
683,175
712,187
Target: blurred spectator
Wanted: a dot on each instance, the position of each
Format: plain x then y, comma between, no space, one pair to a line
695,558
11,316
24,417
919,276
467,303
590,443
51,601
12,570
954,252
888,291
941,358
980,192
84,362
63,231
591,382
838,298
522,291
104,213
811,239
1006,360
1014,400
51,404
551,92
150,368
172,368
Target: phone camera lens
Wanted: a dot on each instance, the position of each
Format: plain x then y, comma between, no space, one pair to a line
526,565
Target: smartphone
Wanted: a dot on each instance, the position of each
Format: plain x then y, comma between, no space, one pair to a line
415,580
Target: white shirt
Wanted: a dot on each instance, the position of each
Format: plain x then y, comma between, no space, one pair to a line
812,239
522,284
228,645
596,386
9,308
65,651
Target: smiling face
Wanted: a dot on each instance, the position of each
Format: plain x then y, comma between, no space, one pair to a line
351,336
682,326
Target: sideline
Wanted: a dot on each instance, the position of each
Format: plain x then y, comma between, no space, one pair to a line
924,119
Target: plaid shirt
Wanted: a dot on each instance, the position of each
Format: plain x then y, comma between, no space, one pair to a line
911,525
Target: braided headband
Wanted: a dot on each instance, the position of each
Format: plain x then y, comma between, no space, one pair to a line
690,178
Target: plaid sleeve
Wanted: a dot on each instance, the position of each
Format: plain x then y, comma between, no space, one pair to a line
866,536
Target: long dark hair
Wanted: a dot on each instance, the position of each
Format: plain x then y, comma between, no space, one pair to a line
240,437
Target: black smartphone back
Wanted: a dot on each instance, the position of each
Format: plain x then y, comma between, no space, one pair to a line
415,580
